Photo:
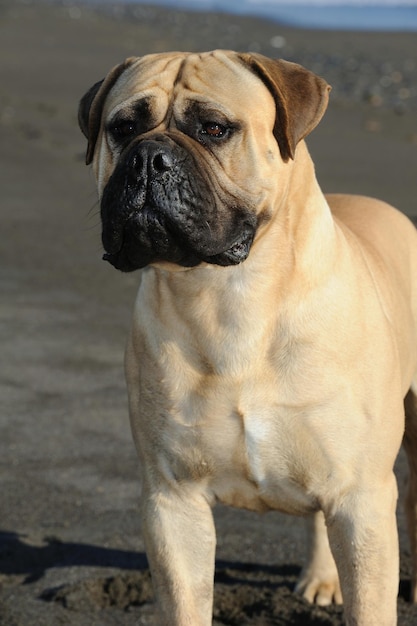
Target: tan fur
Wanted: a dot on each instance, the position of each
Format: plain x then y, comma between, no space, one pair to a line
277,383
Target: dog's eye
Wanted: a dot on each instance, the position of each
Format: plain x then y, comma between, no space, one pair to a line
123,130
212,129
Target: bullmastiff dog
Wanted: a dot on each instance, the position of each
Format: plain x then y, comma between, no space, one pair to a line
274,341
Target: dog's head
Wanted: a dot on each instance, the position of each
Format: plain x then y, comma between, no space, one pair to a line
188,151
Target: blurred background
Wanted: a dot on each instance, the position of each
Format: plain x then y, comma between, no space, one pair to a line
70,545
323,14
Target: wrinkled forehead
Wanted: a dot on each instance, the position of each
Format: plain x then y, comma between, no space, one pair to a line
171,79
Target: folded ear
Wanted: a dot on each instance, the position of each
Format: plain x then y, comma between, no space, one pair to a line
91,106
300,96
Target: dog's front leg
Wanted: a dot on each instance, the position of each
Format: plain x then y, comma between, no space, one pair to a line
179,535
364,541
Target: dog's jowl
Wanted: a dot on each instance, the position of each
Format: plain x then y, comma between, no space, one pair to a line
273,353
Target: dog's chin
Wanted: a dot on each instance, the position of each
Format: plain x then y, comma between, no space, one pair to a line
133,255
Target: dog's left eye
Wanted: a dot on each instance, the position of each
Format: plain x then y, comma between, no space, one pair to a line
212,129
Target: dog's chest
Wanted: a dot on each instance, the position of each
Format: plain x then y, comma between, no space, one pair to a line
231,407
245,449
276,460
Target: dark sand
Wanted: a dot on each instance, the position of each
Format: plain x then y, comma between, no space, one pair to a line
70,545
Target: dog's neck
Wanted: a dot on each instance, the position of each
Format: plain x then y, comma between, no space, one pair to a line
304,225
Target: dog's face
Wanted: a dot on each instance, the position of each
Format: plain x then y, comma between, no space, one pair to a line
190,152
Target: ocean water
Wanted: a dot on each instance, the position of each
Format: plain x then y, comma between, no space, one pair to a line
324,14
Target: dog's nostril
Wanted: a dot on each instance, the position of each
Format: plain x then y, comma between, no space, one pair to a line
162,162
150,159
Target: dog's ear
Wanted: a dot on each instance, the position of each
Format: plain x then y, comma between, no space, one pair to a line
91,106
300,96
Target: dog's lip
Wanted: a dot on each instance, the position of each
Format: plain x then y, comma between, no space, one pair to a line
114,241
119,260
237,252
119,245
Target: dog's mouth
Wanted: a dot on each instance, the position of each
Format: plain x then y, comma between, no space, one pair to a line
157,209
133,248
142,238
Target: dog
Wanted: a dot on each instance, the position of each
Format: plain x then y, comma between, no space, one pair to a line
273,353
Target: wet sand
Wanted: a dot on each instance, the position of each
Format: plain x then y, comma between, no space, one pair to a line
70,545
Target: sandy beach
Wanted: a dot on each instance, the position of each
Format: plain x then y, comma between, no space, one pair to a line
71,550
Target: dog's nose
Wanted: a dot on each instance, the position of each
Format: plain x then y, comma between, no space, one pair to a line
151,158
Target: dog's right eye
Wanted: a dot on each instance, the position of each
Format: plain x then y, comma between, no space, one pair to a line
123,130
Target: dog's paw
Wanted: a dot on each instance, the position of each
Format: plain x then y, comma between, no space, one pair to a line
319,588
